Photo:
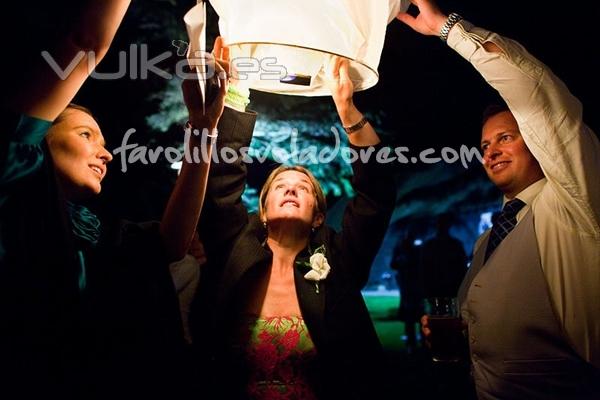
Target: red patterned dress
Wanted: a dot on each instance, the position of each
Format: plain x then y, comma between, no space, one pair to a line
278,352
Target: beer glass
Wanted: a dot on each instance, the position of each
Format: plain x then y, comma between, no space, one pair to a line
446,328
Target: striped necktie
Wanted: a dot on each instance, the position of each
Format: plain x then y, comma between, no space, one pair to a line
504,224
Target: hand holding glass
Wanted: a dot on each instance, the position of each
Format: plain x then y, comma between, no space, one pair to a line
446,328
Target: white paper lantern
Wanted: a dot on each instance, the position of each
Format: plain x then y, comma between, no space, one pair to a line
285,46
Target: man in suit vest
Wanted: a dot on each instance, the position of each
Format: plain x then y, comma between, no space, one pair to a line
530,299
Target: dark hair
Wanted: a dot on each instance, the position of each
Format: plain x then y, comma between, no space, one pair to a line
73,106
492,110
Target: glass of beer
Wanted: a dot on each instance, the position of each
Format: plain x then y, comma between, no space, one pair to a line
446,328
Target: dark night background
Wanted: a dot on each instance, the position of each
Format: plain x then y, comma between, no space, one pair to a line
427,96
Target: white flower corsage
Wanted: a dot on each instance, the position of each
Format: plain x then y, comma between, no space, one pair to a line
319,267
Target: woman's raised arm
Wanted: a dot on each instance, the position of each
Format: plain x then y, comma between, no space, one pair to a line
45,93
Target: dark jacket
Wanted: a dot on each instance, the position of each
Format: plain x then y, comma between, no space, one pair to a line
349,353
118,331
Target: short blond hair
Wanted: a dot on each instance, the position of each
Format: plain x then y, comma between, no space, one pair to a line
321,205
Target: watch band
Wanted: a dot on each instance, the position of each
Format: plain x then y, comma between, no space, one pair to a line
453,18
357,126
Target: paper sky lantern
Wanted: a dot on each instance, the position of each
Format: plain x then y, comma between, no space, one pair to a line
285,46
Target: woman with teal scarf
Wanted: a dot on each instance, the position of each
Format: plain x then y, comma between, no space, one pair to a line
85,308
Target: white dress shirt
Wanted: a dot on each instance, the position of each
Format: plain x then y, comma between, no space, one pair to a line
566,204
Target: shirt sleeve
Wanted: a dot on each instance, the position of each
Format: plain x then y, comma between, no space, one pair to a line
566,211
367,216
224,215
549,118
21,153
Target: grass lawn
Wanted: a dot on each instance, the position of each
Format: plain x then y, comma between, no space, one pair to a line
383,310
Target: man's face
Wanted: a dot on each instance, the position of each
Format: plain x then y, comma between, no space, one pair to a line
506,159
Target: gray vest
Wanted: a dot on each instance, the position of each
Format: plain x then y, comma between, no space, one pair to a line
518,349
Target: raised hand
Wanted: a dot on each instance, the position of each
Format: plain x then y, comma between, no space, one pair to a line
208,117
342,92
339,82
429,21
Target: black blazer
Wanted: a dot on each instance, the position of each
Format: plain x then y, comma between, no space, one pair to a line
349,353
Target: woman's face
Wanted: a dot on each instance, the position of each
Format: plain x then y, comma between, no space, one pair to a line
292,197
77,148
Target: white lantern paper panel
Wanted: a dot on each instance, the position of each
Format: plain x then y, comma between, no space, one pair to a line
285,46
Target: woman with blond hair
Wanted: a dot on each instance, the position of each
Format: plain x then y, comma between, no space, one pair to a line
279,312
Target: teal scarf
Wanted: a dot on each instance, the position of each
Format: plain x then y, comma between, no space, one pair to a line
86,228
85,224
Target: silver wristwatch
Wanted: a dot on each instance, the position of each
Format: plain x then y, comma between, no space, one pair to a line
453,18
